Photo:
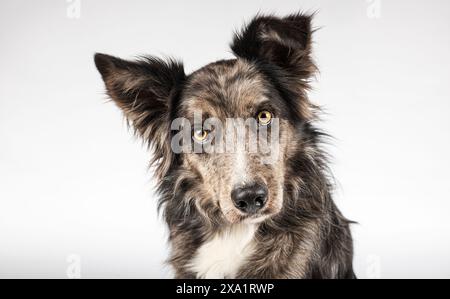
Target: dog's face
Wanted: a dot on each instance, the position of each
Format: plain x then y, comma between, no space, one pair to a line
232,177
244,184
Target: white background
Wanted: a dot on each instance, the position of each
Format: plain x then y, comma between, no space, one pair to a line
74,181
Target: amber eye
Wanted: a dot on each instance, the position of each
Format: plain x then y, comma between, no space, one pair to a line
200,135
264,118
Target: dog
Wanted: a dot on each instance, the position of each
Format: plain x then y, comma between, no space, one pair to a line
234,214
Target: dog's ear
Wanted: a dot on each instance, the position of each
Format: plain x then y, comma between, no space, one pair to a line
143,89
284,42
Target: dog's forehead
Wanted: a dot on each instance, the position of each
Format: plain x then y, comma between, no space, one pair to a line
230,87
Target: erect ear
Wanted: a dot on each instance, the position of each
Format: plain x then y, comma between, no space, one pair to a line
285,44
144,90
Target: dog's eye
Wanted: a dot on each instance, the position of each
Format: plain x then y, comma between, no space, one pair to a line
264,118
201,135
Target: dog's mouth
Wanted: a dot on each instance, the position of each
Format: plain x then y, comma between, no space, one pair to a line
251,203
236,215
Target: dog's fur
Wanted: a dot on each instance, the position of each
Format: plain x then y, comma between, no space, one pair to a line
300,233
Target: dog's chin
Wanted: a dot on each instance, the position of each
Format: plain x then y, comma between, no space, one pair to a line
236,217
256,219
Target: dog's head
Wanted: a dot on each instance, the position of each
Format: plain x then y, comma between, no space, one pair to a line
201,125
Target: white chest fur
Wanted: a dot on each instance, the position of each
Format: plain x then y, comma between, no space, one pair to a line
225,253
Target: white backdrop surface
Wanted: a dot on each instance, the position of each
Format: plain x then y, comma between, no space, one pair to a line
74,184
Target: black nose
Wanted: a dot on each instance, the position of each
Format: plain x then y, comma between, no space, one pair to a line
250,199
